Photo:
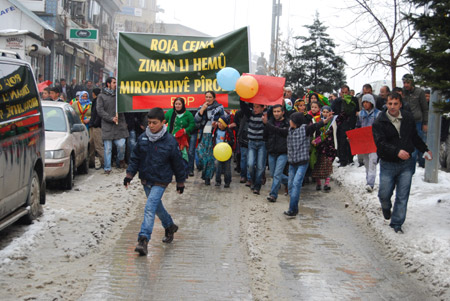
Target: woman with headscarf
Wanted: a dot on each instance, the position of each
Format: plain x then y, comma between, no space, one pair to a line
180,123
82,107
207,117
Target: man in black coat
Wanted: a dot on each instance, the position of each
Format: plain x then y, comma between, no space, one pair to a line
396,137
346,107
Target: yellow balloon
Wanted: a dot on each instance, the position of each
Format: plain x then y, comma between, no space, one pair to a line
247,86
222,151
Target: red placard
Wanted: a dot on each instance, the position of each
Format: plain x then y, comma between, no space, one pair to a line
361,141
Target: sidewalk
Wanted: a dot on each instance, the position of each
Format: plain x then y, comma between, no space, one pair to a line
425,245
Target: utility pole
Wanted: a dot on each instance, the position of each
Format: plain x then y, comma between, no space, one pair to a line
276,13
433,138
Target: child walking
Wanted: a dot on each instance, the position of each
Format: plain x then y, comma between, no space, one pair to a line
298,143
222,133
156,157
325,144
367,117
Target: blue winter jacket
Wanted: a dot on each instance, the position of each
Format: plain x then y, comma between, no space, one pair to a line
157,161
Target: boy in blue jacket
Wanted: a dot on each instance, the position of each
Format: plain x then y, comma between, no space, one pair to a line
367,117
157,157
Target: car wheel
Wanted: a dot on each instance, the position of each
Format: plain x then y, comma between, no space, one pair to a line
34,196
68,180
84,167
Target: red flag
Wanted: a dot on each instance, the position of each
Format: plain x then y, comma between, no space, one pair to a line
361,140
43,85
270,90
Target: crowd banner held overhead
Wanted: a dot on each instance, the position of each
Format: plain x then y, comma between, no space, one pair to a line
154,69
361,141
270,90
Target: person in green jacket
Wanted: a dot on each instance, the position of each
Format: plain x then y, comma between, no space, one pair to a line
180,123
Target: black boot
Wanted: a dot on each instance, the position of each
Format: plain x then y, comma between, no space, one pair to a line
170,231
141,248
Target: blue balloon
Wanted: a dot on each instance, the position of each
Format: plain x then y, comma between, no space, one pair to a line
227,78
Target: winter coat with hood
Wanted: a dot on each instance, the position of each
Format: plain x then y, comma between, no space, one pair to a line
157,161
367,118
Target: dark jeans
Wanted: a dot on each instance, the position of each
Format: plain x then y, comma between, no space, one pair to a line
191,151
398,176
224,167
244,155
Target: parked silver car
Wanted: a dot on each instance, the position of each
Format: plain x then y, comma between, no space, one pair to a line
66,143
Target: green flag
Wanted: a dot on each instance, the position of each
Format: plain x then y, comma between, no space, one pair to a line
155,69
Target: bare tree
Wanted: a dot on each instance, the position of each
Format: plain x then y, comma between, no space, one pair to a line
385,35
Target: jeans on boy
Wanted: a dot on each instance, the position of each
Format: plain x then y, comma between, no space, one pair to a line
395,176
120,145
370,163
244,160
296,175
276,166
154,206
224,167
256,155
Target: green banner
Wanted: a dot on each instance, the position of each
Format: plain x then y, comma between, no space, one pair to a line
155,69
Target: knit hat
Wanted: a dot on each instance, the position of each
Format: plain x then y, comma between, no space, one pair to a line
298,119
224,120
408,78
328,108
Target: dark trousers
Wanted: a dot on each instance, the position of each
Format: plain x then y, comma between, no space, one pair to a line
225,168
344,153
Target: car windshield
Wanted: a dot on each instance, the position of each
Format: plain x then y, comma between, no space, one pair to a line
54,119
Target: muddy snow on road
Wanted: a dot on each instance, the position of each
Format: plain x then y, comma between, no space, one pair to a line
328,252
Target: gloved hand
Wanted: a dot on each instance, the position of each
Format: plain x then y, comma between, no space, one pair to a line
180,133
126,181
180,188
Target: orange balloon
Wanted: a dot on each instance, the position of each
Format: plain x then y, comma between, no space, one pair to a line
247,86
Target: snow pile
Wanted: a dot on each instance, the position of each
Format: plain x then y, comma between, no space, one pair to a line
424,248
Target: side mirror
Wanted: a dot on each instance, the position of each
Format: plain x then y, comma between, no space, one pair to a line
77,128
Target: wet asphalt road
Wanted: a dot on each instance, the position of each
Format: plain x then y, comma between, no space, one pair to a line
326,253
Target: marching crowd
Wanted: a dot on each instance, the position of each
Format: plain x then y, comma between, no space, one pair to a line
298,140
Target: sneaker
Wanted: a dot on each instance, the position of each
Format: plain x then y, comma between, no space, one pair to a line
107,172
271,199
217,184
290,214
318,187
386,213
243,180
248,184
369,188
141,248
256,191
207,182
170,231
326,188
227,185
